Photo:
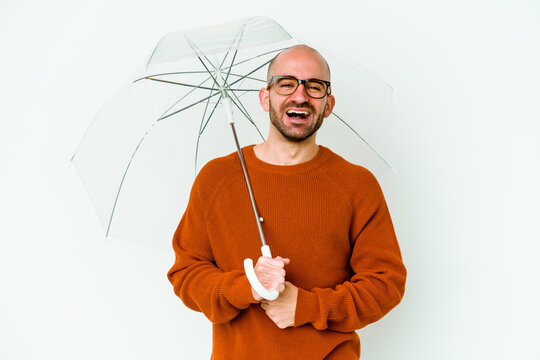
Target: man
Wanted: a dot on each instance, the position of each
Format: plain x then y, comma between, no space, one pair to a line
340,266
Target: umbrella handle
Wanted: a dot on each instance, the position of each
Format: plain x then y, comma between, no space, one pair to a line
254,281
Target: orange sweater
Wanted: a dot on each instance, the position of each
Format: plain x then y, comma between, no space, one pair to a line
328,216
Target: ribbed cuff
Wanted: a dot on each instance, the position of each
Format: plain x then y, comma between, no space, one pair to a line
307,308
239,293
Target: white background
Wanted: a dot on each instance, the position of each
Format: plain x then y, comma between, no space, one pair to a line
465,203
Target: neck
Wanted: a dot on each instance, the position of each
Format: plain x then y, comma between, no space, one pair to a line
279,151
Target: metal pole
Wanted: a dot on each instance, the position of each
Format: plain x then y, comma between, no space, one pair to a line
248,183
227,107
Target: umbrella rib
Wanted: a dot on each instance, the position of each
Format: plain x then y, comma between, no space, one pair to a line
225,58
243,90
124,177
230,66
202,87
195,72
186,107
201,129
242,109
171,73
238,36
204,115
153,53
204,55
364,140
182,84
199,53
183,97
254,70
209,72
251,72
258,56
250,78
246,114
210,116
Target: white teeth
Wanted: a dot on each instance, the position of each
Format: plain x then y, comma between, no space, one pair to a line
297,112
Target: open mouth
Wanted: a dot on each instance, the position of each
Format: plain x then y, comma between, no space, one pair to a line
298,114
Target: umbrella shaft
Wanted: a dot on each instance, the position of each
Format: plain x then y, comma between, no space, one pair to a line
248,183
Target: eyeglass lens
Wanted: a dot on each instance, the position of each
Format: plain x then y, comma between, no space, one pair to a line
287,85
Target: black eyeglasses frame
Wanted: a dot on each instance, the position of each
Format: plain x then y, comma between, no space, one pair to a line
298,82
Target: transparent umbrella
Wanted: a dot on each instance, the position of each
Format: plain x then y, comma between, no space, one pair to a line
141,153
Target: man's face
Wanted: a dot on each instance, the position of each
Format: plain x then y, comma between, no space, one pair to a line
299,127
297,116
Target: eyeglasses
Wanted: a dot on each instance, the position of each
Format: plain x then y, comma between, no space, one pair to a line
286,85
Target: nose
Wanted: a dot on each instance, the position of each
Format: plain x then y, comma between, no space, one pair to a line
300,95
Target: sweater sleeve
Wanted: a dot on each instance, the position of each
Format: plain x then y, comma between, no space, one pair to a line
377,282
200,284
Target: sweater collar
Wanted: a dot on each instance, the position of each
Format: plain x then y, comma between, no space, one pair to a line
253,161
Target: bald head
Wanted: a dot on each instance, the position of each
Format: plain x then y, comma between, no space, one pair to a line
298,52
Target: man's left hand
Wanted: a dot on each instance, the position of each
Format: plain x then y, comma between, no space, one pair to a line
281,311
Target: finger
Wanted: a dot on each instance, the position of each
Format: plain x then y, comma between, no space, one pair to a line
267,262
277,261
275,286
275,273
270,276
285,261
269,279
272,270
270,267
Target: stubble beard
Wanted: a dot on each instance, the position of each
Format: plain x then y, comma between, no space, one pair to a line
293,136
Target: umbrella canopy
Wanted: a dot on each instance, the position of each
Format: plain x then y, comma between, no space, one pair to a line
141,153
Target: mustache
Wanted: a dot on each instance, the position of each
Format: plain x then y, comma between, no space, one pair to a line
305,105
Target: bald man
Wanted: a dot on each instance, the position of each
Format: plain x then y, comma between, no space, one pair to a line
339,266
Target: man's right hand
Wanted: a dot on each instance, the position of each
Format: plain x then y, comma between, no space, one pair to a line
271,274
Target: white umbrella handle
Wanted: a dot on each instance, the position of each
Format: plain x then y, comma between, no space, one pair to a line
254,281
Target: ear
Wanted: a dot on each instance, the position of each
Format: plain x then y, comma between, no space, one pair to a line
264,100
329,105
